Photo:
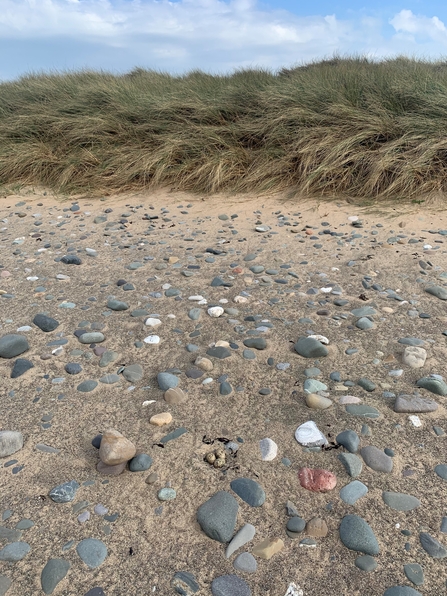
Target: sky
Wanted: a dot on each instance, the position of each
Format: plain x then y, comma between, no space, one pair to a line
216,36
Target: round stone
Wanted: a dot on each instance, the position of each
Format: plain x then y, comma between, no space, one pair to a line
87,386
167,381
295,524
166,494
45,323
14,551
161,419
317,402
73,368
92,552
95,337
140,463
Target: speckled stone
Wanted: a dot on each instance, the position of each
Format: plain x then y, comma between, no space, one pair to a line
217,516
357,535
230,585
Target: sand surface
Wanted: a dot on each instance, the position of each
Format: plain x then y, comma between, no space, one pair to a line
146,547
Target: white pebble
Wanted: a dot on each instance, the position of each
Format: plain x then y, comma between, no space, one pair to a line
223,301
57,351
150,322
33,278
207,381
196,298
24,328
62,276
151,339
148,402
415,421
171,316
294,590
353,218
165,286
396,373
83,517
240,299
309,434
326,290
215,311
269,449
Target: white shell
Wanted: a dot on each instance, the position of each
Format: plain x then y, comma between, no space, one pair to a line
320,338
151,339
150,322
240,299
269,449
309,435
415,421
215,311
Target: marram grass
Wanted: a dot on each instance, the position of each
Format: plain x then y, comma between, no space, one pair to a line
346,126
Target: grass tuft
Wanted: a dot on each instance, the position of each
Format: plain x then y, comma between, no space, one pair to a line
346,126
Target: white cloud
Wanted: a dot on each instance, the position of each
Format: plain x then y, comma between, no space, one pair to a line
214,35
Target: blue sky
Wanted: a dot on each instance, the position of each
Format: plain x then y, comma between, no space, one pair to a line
211,35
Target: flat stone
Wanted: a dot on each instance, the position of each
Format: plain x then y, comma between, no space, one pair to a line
73,368
414,404
317,480
414,356
93,552
166,494
9,534
11,441
71,260
167,381
204,363
64,493
246,563
362,410
366,563
364,324
13,345
184,583
433,547
249,491
364,311
316,527
357,535
140,462
414,573
87,386
441,471
267,548
230,585
175,434
5,584
353,491
110,379
45,323
436,386
54,572
115,448
107,358
366,384
376,459
219,352
133,373
21,366
295,524
258,343
437,291
349,439
317,402
161,419
309,347
400,501
195,313
14,551
174,396
309,435
244,535
401,591
117,304
313,386
217,516
352,464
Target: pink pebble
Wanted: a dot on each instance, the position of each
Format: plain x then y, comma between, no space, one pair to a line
349,399
5,273
317,480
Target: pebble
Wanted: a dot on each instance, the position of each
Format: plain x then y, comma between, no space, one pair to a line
401,591
14,551
246,563
64,493
12,345
317,480
356,534
161,419
317,402
249,491
140,463
349,439
366,563
310,348
400,501
309,435
166,494
376,459
432,547
267,548
353,491
184,583
413,403
92,551
317,527
352,464
167,381
217,516
45,323
414,573
269,449
53,573
230,585
10,442
434,385
414,357
175,396
115,448
244,535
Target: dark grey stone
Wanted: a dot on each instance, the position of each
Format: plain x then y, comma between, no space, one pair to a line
71,260
249,491
217,516
308,347
73,368
219,352
441,471
400,501
117,304
437,291
175,434
21,366
414,573
357,535
366,563
349,439
92,551
184,583
431,546
64,493
87,386
230,585
12,345
140,463
258,343
53,572
45,323
366,384
296,524
376,459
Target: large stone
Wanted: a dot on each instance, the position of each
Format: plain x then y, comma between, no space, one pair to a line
414,404
317,480
357,535
94,337
45,323
414,357
414,573
376,459
437,291
14,551
115,448
309,347
353,491
434,385
54,572
174,396
258,343
400,501
10,442
246,563
217,516
133,373
349,439
230,585
433,547
13,345
249,491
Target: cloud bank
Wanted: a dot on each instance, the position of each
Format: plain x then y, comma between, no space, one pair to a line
212,35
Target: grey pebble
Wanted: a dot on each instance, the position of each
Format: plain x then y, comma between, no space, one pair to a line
376,459
64,493
14,551
249,491
230,585
54,572
246,563
353,491
356,534
92,552
217,516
